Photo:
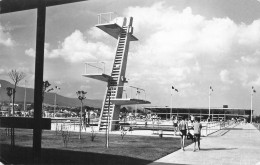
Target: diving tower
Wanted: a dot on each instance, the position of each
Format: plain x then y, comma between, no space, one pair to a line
117,94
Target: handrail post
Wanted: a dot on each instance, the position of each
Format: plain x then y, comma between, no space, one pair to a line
207,129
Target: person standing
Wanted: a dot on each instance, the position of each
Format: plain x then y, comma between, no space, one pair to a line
88,119
175,125
84,118
183,129
192,118
197,132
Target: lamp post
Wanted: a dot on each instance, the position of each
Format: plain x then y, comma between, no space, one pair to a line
55,99
81,97
171,99
210,91
252,93
25,108
45,88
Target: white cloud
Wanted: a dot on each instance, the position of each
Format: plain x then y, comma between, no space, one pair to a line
30,52
225,76
249,60
5,37
96,33
2,71
174,47
75,48
178,45
249,35
58,82
255,82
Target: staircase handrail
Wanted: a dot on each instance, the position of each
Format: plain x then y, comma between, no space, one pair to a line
132,87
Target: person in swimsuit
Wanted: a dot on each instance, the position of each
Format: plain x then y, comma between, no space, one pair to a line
183,129
197,131
175,125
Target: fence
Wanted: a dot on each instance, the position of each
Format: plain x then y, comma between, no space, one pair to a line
154,125
257,125
70,125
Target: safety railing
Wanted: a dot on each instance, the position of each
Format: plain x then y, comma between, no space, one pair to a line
257,126
109,17
71,125
131,92
95,67
211,127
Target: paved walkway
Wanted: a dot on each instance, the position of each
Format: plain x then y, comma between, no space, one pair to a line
239,145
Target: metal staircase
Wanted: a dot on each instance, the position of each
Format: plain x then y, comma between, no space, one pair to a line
123,32
113,91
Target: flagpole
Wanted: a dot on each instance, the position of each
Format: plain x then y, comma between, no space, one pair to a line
171,106
55,103
210,90
252,93
209,103
251,106
55,99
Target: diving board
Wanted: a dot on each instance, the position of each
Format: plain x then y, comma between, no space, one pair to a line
114,30
129,101
100,77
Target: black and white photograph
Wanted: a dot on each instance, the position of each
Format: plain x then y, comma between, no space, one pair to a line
130,82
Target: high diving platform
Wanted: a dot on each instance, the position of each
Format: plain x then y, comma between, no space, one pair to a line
114,26
129,101
98,76
114,30
96,70
117,94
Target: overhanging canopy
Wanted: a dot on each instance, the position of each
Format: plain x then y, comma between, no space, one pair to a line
8,6
128,101
101,77
114,29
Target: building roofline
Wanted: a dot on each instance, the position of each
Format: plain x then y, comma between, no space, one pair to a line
195,108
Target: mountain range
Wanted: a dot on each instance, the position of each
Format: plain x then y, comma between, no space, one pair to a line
48,97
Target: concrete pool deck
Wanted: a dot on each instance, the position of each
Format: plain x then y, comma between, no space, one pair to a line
239,145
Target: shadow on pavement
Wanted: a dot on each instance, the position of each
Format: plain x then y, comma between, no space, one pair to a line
162,163
233,129
209,149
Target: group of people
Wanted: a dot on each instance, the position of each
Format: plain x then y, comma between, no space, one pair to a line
183,130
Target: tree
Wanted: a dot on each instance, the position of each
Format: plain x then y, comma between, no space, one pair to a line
16,76
45,88
123,110
9,92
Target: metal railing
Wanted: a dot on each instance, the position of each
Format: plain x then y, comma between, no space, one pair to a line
131,92
257,126
109,17
95,67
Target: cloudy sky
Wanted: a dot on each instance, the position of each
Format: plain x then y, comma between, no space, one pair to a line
188,44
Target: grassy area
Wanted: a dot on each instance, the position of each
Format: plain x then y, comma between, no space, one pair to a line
136,150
